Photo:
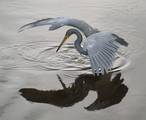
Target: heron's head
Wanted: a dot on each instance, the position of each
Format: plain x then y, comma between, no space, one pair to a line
67,35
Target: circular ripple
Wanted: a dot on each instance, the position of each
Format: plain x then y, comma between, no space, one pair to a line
42,55
45,54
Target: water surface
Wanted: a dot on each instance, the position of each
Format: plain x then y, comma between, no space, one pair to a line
24,63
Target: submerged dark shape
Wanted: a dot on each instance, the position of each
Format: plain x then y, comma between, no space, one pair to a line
109,92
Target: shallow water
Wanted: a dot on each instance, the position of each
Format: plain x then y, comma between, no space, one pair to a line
24,58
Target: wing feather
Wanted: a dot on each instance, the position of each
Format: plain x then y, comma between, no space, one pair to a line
105,60
102,65
55,23
92,61
105,52
98,61
101,49
95,64
111,46
41,22
102,59
109,52
120,40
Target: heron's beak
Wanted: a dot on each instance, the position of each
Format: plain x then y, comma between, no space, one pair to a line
64,39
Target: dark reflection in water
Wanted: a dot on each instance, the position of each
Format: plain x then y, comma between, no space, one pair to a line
109,90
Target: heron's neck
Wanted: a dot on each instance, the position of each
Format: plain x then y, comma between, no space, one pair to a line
78,42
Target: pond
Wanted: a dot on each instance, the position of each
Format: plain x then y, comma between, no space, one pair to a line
29,61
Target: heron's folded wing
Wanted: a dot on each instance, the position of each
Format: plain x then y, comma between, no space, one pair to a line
55,23
101,50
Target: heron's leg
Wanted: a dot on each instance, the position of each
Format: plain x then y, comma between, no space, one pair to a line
96,76
62,83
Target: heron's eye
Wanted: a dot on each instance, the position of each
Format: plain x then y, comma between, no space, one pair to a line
69,33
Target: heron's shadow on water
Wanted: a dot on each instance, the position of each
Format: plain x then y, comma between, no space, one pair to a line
110,91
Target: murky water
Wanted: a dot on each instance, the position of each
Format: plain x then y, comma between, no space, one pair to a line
28,59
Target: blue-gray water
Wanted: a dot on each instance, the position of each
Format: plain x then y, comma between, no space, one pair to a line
22,65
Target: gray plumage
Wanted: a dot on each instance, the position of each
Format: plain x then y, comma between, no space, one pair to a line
55,23
101,47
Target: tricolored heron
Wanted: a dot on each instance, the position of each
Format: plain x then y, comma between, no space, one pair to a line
101,47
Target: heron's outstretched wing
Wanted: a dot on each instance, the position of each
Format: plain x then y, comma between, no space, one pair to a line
102,48
55,23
